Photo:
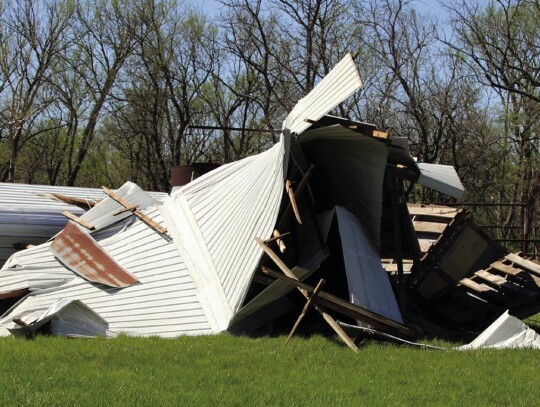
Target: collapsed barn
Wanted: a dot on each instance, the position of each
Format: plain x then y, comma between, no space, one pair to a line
310,223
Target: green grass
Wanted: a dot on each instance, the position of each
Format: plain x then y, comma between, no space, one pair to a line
227,370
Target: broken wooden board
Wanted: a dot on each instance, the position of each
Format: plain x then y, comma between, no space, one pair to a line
129,206
78,220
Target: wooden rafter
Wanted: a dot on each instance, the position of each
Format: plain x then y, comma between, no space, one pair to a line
129,206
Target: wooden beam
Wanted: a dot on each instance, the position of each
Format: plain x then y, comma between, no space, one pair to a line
429,227
286,213
433,211
337,304
335,326
78,220
129,209
289,275
380,134
80,202
277,236
504,284
526,264
137,213
515,272
319,286
292,199
473,285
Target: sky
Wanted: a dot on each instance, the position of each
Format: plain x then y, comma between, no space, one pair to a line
430,7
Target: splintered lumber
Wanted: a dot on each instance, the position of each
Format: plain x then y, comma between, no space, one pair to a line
80,202
286,213
292,199
78,220
276,236
289,275
526,264
335,326
135,212
344,307
320,285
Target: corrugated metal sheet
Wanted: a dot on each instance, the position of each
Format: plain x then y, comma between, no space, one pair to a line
215,220
164,303
351,167
442,178
369,286
84,256
340,83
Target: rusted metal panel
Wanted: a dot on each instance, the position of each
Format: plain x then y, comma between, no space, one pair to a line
85,257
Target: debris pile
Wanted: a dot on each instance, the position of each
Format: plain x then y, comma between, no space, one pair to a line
318,222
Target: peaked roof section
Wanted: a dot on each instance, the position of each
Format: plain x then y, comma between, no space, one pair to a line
340,83
214,221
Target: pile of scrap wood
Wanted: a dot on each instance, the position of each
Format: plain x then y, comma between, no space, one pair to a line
296,236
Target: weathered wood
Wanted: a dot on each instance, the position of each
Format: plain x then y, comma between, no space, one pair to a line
526,264
429,227
335,326
515,272
506,268
286,213
505,284
289,275
337,304
78,220
14,294
491,278
80,202
276,236
275,258
137,213
473,285
433,211
380,134
319,286
292,199
128,209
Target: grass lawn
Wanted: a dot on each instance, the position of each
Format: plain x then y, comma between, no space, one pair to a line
227,370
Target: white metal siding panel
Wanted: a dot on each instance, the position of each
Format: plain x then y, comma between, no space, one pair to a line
369,286
27,215
233,205
442,178
340,83
164,303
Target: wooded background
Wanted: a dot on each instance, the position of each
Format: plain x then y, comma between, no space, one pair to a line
99,92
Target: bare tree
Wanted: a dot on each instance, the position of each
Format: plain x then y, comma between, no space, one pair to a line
105,35
32,42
